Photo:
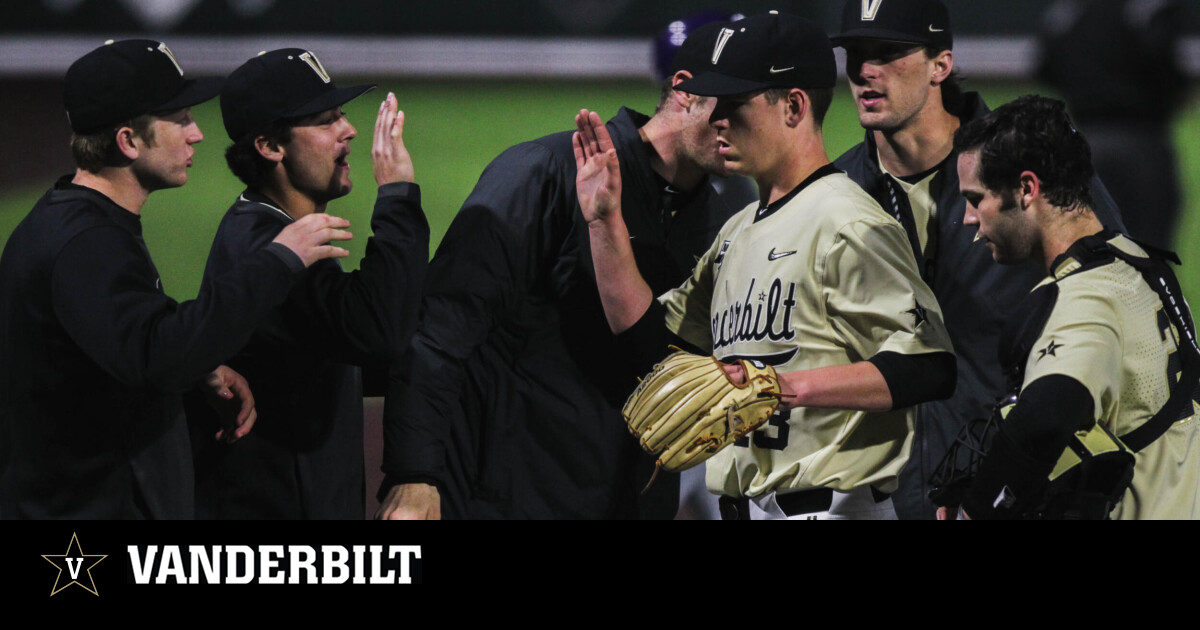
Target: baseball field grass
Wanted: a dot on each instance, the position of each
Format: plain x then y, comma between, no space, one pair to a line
453,129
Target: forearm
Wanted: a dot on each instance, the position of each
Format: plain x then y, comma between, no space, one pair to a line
1028,444
379,310
856,386
876,385
623,292
105,296
417,417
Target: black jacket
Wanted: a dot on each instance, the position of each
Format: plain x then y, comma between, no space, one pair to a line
304,458
94,356
976,294
510,397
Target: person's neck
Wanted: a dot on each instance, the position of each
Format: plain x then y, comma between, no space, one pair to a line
1064,230
920,145
295,203
803,160
118,184
667,159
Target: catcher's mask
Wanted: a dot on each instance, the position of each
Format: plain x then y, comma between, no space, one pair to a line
1086,483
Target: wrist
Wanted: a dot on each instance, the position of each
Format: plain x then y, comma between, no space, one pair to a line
612,226
792,387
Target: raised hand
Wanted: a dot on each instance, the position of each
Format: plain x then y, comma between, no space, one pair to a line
392,163
598,175
309,236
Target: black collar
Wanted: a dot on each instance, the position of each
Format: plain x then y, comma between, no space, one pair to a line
121,215
1085,249
773,207
265,203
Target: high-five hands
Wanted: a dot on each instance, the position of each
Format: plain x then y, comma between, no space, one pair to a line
392,163
598,176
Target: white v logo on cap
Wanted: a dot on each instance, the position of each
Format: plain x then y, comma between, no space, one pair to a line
315,64
869,9
722,39
162,48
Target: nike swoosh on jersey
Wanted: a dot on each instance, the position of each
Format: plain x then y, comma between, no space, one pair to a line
774,71
773,256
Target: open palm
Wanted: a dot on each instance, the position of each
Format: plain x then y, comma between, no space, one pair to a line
598,178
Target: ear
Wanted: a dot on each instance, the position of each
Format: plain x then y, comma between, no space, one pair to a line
126,144
798,107
269,149
1029,187
683,99
943,65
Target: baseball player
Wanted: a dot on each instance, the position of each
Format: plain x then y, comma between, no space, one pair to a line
901,67
737,191
291,147
93,354
1107,339
815,279
507,404
695,502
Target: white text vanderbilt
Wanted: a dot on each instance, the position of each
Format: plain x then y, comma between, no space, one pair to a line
272,564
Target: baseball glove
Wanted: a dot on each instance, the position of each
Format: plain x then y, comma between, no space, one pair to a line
687,408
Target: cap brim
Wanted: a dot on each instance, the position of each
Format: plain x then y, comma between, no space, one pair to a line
879,34
329,100
195,91
717,84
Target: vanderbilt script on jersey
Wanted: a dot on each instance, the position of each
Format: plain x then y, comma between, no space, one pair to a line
762,315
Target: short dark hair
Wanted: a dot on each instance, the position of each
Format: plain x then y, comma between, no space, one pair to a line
98,150
244,159
1032,133
821,99
666,87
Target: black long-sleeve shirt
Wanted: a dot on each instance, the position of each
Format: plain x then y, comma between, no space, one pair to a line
94,355
304,458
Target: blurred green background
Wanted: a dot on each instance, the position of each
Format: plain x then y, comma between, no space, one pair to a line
453,129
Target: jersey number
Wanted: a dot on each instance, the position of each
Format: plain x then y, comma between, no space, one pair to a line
764,439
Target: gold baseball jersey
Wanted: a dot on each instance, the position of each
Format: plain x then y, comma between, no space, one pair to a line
821,277
922,193
1108,330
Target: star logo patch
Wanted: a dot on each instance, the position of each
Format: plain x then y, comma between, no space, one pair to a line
1049,350
919,313
74,567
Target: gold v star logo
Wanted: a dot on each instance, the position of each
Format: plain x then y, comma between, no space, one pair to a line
73,565
1049,350
919,313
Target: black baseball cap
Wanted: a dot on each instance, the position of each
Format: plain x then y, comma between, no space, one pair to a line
123,80
686,44
924,22
286,83
766,51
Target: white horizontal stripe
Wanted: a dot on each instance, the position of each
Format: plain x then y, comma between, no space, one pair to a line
483,57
